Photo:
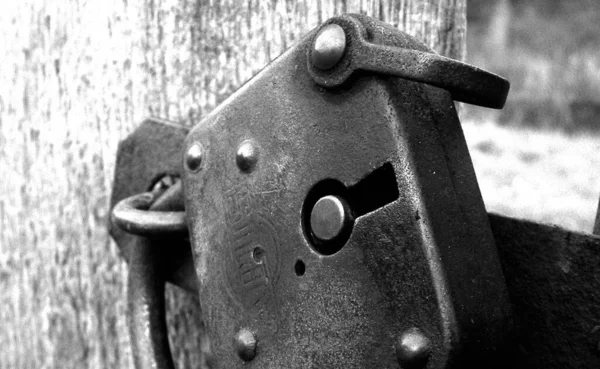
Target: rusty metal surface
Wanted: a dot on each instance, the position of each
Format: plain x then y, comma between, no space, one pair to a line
420,254
553,280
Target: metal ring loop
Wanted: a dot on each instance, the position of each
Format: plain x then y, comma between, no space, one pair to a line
132,216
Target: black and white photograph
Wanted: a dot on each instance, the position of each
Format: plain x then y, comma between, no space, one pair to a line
310,184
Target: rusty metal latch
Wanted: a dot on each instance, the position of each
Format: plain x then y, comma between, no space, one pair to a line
333,213
341,47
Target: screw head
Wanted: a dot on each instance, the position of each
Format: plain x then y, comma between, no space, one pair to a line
193,157
246,156
328,218
328,47
413,349
245,344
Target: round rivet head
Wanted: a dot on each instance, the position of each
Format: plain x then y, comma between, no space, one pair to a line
328,218
246,156
413,349
194,156
328,47
245,344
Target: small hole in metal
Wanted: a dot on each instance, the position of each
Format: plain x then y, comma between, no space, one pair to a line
300,268
257,254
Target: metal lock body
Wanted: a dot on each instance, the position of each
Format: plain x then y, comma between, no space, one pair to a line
405,274
336,222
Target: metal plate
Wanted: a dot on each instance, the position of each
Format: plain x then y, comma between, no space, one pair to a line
425,260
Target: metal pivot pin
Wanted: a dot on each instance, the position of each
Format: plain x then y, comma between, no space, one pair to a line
328,47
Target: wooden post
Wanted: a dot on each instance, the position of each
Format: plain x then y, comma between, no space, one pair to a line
76,78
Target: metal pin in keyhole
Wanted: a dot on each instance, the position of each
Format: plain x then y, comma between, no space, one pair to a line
328,218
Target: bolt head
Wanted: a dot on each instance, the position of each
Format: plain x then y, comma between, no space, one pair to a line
413,349
246,156
328,47
245,344
194,156
328,218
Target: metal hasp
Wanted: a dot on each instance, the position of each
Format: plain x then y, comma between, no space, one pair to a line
405,273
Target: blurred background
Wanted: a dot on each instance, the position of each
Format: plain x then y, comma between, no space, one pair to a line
538,158
549,50
73,81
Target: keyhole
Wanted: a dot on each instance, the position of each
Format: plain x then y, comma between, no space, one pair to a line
372,192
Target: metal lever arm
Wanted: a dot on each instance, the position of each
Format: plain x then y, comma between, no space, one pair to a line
351,50
465,82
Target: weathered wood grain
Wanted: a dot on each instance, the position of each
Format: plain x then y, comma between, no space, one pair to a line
76,77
